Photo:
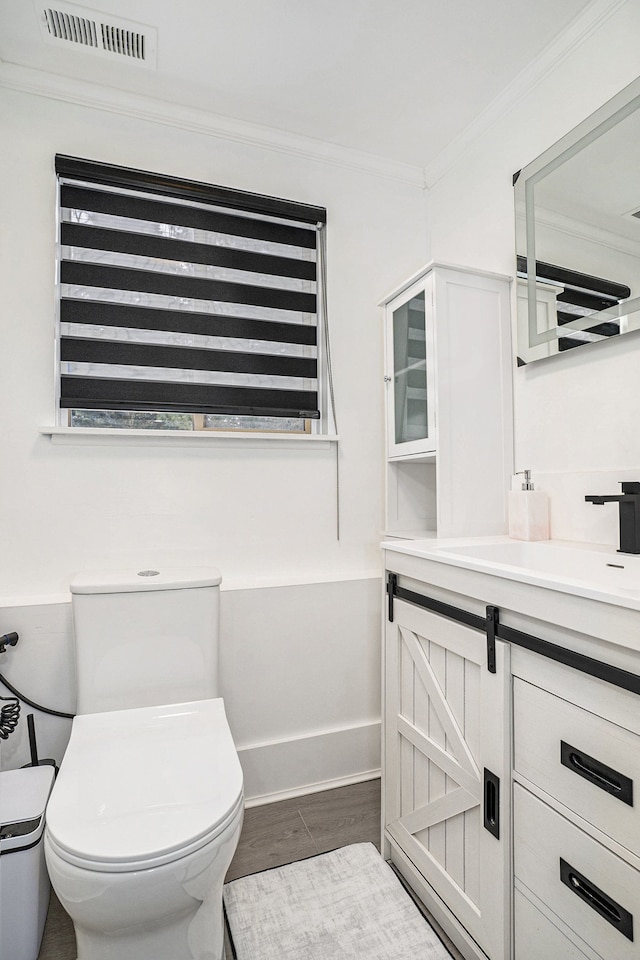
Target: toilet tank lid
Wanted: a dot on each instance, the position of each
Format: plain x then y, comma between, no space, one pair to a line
155,578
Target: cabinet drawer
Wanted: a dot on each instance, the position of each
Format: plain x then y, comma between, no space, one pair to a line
587,886
584,761
537,938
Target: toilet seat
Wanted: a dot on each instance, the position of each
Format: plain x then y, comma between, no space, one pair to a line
143,787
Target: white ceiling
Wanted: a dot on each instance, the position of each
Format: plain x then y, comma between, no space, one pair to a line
399,79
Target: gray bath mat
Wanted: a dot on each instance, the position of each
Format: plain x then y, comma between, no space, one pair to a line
343,904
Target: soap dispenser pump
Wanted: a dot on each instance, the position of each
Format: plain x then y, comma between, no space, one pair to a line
528,512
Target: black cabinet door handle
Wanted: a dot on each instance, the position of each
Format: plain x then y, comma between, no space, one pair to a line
596,772
599,901
492,803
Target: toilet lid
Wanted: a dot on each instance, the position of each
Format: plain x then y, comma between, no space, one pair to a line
145,786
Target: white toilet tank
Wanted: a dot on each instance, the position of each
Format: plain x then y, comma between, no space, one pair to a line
146,638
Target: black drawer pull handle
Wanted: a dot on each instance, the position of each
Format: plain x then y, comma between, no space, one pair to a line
596,772
586,771
599,901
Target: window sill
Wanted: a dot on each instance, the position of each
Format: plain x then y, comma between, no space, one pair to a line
104,436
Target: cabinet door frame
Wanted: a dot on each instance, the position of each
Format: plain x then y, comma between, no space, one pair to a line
408,448
486,916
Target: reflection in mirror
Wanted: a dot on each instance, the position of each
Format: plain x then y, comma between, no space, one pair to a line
578,234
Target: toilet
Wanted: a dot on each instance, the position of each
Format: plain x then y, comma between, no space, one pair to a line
146,812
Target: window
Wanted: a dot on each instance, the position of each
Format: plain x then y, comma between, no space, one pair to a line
184,305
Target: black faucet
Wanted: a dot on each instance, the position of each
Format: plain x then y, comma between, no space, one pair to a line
629,501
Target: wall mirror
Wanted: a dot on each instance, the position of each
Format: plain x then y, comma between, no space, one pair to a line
578,234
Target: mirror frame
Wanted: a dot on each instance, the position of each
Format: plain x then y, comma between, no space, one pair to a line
614,111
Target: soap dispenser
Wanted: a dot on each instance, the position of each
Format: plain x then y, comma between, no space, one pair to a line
528,512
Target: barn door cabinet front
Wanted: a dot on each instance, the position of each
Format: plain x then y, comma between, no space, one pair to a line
447,773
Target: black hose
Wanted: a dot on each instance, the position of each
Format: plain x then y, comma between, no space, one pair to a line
31,703
9,716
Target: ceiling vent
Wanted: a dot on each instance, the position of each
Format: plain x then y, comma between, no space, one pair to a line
93,31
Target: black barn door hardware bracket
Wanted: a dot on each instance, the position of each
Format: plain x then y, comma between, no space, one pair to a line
493,620
495,630
392,586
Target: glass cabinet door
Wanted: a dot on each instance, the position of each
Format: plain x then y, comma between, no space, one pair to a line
410,371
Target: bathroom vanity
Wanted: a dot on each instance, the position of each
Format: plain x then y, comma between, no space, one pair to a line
511,734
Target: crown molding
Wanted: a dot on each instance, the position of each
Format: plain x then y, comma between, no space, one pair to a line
581,230
123,103
578,31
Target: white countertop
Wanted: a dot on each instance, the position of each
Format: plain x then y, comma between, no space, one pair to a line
594,571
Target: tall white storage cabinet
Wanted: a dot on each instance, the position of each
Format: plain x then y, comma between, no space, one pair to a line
448,404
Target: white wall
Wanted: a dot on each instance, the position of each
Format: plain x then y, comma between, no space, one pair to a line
253,511
576,414
300,642
264,514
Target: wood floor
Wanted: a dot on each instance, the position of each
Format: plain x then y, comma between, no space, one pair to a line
291,830
272,834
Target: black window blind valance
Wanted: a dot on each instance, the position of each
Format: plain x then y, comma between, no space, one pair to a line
181,296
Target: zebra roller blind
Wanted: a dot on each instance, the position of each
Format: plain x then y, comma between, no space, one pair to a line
183,296
582,296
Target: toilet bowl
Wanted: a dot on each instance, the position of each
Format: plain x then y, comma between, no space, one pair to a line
145,815
142,824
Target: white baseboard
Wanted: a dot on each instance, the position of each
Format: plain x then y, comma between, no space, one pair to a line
282,769
313,788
